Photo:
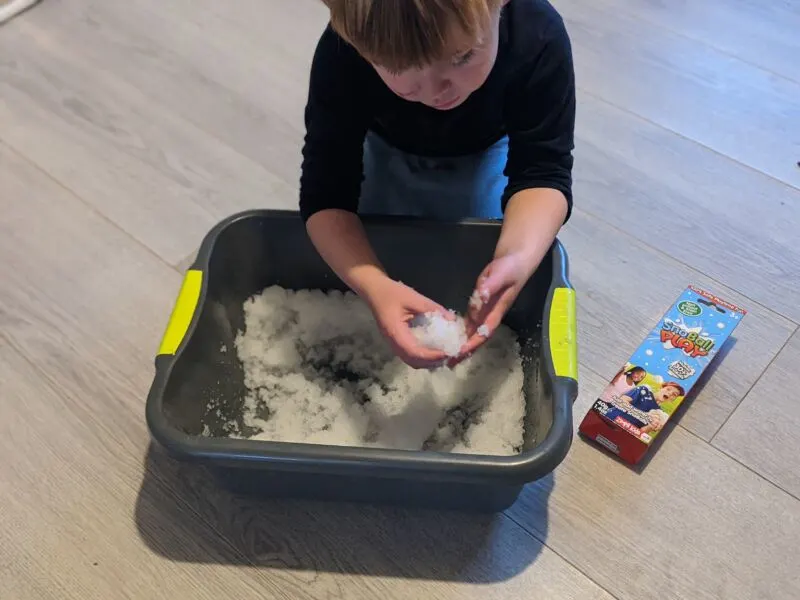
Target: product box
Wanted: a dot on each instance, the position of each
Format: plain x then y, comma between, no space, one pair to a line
650,387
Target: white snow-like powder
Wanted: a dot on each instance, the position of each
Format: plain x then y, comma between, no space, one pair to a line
475,300
438,333
317,370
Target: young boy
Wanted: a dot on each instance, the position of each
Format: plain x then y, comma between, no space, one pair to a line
644,400
444,109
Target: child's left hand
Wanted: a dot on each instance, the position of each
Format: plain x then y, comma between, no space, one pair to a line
498,286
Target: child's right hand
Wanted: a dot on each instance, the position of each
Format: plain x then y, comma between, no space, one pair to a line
394,305
339,237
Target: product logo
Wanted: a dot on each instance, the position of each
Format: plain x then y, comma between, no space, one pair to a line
691,342
690,309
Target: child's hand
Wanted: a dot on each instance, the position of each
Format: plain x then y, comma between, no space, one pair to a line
394,306
658,418
498,286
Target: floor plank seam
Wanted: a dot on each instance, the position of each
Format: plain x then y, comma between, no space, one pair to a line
83,202
200,127
557,553
644,119
750,389
745,466
675,260
187,507
714,47
720,450
183,264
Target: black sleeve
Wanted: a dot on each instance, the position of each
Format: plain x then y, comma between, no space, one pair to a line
540,115
336,119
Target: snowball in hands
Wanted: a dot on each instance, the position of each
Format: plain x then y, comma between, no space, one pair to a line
436,332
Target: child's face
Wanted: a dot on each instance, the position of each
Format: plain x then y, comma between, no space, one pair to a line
667,394
449,82
637,376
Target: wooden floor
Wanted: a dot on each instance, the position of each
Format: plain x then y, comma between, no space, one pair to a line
128,129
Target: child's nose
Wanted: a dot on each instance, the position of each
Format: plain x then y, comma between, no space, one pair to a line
440,86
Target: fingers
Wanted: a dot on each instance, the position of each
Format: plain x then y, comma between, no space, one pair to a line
396,316
412,352
492,283
478,336
498,276
481,293
473,343
421,304
416,303
490,314
481,328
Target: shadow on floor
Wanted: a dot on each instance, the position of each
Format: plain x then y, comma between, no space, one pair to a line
326,537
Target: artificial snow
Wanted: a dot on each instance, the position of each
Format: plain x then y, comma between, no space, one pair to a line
475,300
437,332
317,370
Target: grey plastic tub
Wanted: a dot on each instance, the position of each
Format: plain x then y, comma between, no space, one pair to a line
198,388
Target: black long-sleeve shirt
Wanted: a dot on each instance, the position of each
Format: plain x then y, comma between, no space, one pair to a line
529,96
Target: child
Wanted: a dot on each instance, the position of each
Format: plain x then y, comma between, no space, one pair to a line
643,399
445,109
623,382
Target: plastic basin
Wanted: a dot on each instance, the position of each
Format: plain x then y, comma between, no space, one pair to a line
197,387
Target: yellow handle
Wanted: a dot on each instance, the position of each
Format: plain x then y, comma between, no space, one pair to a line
183,312
563,330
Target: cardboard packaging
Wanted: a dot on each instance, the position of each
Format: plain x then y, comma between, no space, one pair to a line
649,388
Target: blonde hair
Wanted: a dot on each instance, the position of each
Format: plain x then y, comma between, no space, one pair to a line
404,34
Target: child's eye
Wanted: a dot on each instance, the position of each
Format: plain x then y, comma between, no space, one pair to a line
464,58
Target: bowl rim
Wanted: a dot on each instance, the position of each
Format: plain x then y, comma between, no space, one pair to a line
347,460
